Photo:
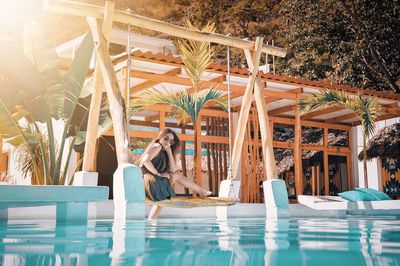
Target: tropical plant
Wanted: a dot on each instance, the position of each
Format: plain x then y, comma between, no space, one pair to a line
186,107
33,94
365,108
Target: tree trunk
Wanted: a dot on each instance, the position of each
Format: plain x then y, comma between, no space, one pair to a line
365,161
195,158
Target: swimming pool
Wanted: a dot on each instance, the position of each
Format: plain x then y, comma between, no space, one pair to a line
351,241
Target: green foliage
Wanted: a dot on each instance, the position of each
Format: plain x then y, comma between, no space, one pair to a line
186,107
196,56
33,93
353,42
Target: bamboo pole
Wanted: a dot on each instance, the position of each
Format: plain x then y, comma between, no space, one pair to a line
244,111
266,137
116,101
87,10
89,159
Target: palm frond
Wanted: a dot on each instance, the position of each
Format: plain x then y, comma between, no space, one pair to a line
325,99
366,108
196,55
186,107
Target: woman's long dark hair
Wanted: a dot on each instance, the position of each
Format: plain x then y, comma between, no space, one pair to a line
174,147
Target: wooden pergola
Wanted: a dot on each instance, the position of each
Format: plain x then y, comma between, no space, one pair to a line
279,92
274,96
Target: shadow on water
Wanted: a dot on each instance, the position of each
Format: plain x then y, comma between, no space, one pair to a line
203,242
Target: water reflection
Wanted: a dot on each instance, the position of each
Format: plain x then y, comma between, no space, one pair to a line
203,242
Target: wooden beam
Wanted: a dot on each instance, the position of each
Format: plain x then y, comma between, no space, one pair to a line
272,98
153,124
87,10
115,99
340,118
282,110
162,120
291,121
206,84
147,84
244,113
325,111
387,110
89,160
221,86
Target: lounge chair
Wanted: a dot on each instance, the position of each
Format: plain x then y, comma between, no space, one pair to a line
382,207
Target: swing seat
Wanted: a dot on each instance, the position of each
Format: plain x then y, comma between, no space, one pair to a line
189,202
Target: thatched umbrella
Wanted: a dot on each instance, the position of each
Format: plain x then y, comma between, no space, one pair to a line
385,144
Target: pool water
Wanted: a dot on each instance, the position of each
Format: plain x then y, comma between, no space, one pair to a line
352,241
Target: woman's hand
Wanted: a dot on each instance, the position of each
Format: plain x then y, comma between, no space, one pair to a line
165,174
166,146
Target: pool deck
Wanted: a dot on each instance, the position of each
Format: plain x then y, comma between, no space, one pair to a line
105,210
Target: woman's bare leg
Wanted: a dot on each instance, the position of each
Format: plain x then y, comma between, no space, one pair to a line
185,182
154,212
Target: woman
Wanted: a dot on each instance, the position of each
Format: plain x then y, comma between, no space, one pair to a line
158,164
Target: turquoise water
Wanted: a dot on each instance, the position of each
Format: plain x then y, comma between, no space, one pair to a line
353,241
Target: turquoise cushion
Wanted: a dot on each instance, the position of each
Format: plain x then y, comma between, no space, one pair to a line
375,193
355,195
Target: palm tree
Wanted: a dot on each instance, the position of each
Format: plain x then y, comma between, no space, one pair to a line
366,109
196,57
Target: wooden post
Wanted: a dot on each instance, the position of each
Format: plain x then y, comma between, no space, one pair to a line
266,138
313,175
89,159
162,120
244,111
116,101
350,162
297,154
326,162
318,190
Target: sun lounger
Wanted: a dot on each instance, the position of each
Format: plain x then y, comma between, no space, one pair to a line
383,207
71,201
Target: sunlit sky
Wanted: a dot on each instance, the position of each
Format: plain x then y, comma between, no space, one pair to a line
14,14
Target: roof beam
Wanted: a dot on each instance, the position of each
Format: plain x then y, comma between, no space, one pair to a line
282,110
206,84
147,84
87,10
386,111
328,110
221,86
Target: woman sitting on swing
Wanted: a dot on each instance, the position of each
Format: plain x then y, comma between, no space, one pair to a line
158,164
